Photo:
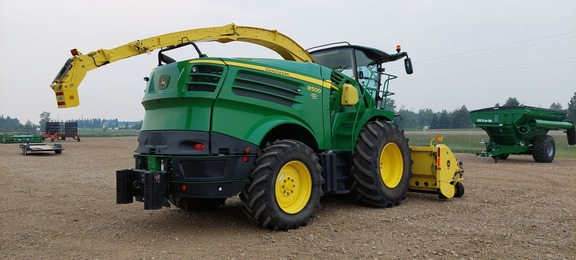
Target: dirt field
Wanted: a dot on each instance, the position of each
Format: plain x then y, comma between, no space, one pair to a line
63,207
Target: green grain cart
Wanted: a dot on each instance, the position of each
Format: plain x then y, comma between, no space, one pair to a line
20,138
522,130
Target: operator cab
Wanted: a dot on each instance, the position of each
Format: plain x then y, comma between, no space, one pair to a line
364,64
359,62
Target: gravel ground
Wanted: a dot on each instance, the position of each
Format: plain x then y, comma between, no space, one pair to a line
63,207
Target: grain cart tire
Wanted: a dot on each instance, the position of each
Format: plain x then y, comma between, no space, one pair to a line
381,165
285,186
571,135
544,149
197,204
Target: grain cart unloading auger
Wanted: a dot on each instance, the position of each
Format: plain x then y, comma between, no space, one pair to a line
522,130
280,133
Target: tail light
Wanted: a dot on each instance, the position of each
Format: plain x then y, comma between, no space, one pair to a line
199,146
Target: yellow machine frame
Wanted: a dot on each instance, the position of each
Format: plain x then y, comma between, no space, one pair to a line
66,83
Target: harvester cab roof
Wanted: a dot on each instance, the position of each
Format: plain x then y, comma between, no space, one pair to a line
344,56
361,63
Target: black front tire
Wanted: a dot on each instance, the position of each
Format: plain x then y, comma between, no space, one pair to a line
381,165
285,186
544,149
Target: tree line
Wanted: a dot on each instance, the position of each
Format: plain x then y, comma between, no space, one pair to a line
8,124
407,119
426,118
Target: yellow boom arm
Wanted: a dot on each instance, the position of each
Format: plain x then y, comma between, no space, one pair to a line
66,83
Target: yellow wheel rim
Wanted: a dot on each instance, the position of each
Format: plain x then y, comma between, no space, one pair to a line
293,187
391,165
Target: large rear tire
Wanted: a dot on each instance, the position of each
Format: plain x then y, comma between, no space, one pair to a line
381,165
285,186
544,149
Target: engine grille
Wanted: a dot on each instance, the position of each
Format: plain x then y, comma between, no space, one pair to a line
266,88
204,78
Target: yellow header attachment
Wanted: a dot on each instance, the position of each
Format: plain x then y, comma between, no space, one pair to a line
66,83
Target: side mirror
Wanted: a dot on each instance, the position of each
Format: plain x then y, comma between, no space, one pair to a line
408,66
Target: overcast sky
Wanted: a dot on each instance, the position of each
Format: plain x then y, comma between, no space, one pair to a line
475,53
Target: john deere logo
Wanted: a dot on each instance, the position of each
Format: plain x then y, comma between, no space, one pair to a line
164,81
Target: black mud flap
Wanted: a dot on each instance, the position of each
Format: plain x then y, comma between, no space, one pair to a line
154,189
124,186
150,186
